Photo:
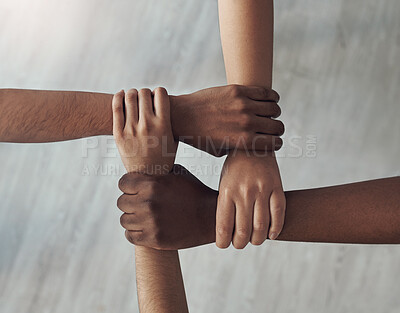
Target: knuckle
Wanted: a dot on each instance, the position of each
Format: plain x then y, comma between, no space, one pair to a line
161,90
234,90
275,95
257,242
130,237
239,245
264,188
260,227
277,143
278,209
241,105
144,91
117,105
227,192
132,94
224,231
222,244
281,128
246,137
245,121
276,110
123,220
243,232
121,201
153,188
262,92
123,182
248,191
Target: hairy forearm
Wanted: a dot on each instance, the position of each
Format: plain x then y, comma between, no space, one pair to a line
159,281
45,116
49,115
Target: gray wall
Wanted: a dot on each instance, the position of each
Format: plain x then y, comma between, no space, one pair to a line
337,67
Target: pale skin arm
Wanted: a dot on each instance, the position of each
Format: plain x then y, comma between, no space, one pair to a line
47,116
159,281
135,117
254,209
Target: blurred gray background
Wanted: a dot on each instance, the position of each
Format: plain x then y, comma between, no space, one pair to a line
337,68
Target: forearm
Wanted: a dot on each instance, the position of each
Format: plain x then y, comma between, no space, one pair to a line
364,212
51,115
159,281
247,41
45,116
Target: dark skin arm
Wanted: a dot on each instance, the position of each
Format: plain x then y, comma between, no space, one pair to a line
218,113
177,211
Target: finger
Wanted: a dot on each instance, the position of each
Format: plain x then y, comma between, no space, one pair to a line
145,104
161,103
265,125
260,220
118,113
131,107
225,220
261,93
261,142
130,183
135,237
129,221
243,224
277,211
134,204
266,109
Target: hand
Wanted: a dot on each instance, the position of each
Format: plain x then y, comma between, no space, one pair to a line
167,212
233,116
250,197
143,134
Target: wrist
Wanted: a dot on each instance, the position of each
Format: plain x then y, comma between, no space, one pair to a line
179,118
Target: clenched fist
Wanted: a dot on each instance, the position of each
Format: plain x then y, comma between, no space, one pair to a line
228,117
167,212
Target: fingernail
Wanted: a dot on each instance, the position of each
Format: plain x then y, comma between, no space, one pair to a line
273,236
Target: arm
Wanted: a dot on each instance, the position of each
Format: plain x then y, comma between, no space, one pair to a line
363,213
253,209
158,273
159,281
209,114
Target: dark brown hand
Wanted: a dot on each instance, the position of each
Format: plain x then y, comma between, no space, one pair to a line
232,116
156,217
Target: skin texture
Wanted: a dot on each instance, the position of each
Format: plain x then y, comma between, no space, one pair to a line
158,273
365,212
231,111
144,138
251,203
173,211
